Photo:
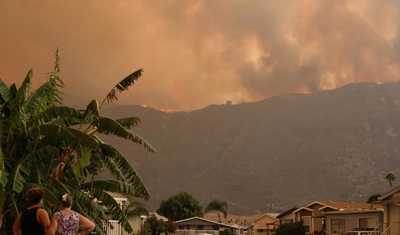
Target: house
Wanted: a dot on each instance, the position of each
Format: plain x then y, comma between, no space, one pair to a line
198,225
115,228
264,224
313,214
340,221
391,217
287,216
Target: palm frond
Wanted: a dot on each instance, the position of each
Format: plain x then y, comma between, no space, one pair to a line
92,110
13,204
109,126
22,169
122,86
112,157
56,80
135,208
81,162
114,208
83,139
3,172
5,93
112,186
60,134
24,88
61,115
40,99
129,122
53,133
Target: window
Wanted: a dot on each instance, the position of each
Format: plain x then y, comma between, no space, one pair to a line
306,223
285,221
367,223
337,226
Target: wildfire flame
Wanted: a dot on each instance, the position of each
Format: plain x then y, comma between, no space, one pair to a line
159,109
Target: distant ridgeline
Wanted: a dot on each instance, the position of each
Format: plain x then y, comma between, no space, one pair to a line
273,154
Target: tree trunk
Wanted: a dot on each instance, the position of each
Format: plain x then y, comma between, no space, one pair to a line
61,165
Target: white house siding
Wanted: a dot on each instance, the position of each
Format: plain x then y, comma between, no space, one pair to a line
351,220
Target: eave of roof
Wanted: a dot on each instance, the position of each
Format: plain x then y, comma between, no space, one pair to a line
271,215
208,221
389,193
290,211
303,208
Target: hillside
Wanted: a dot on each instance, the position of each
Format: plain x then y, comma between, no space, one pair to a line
273,154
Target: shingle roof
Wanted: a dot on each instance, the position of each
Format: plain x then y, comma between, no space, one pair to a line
272,215
339,205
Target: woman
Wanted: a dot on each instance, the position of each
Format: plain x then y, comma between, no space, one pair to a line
34,219
69,222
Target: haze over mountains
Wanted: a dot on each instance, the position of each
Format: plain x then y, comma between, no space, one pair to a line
273,154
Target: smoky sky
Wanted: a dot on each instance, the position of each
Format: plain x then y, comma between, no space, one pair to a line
197,53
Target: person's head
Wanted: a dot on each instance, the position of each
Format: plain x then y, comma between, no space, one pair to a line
66,200
34,195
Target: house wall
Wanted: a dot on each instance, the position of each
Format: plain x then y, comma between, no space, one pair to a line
287,218
260,226
136,224
352,221
301,215
391,221
317,220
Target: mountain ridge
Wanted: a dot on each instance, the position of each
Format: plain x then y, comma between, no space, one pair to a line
273,154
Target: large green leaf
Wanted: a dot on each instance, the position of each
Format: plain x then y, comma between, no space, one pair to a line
92,111
114,208
22,169
129,122
5,93
40,99
3,172
117,164
56,133
109,126
24,88
81,162
56,80
61,115
112,186
122,86
64,134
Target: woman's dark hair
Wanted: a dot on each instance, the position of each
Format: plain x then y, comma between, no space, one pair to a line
66,200
34,195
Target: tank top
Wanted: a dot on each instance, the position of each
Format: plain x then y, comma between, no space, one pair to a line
68,224
29,223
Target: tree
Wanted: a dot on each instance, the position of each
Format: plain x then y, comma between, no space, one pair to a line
292,228
180,206
57,148
219,207
373,198
155,226
390,178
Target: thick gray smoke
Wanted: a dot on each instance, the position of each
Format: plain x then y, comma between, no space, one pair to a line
197,53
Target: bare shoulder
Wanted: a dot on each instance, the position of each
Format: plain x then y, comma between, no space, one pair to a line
42,211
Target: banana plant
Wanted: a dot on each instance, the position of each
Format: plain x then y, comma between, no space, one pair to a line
56,147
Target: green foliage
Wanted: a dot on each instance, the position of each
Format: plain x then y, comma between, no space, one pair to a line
219,206
155,226
390,178
373,198
45,144
180,206
292,228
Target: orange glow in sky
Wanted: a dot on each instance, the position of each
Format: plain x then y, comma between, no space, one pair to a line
198,53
